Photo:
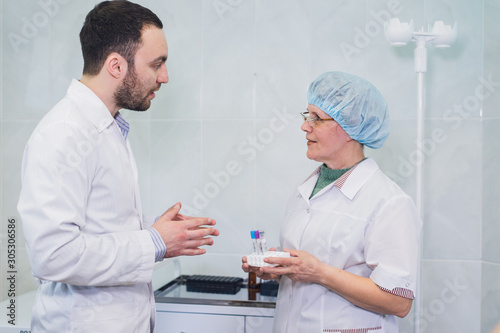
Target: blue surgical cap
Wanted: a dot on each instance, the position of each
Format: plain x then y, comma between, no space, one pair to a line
355,104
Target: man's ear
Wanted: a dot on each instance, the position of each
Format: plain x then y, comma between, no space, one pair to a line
116,65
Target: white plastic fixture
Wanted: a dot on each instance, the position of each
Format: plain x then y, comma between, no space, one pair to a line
399,34
445,34
441,36
257,260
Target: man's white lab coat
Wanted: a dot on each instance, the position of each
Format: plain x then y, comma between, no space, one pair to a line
82,219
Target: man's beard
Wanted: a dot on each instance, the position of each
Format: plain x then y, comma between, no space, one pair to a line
129,94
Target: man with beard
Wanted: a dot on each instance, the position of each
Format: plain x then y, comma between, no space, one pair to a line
90,249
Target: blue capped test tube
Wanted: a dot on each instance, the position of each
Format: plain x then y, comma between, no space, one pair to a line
254,241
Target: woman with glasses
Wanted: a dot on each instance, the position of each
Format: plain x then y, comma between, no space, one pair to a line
351,232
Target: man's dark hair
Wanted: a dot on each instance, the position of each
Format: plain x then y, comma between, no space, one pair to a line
114,26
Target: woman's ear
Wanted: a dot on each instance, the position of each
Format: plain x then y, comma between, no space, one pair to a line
346,136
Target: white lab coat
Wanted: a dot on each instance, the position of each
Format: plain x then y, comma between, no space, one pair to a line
367,226
82,220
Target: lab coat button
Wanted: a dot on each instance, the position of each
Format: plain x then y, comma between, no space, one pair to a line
307,210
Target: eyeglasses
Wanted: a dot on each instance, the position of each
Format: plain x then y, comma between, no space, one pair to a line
312,121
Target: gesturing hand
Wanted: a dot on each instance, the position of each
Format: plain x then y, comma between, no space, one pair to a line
183,235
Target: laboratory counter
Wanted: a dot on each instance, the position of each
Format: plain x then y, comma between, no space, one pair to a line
192,303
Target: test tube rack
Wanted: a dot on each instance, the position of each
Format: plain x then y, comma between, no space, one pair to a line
257,260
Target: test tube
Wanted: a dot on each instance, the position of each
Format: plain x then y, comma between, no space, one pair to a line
259,246
263,243
254,242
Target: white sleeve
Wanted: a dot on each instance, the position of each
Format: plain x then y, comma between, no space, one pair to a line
52,207
391,246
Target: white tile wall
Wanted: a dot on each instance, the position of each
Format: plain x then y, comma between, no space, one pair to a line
453,73
282,56
239,71
229,48
490,291
181,98
389,68
26,59
490,295
335,44
64,57
491,191
491,46
175,162
452,201
452,302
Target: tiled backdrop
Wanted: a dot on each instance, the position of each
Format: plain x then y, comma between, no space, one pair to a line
223,136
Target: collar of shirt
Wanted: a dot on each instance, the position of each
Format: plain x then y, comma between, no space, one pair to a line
99,115
122,123
349,183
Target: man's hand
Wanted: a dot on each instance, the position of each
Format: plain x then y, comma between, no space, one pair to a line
183,235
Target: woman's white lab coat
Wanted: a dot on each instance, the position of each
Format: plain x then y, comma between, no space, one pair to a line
362,223
81,215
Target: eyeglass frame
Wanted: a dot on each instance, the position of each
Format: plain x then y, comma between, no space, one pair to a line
312,121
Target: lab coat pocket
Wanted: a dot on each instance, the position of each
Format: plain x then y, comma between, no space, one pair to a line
342,316
334,238
105,318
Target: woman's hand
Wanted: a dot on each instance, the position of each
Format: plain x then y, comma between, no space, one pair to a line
300,267
361,291
258,270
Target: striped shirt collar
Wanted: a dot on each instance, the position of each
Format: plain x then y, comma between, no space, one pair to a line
123,124
341,180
